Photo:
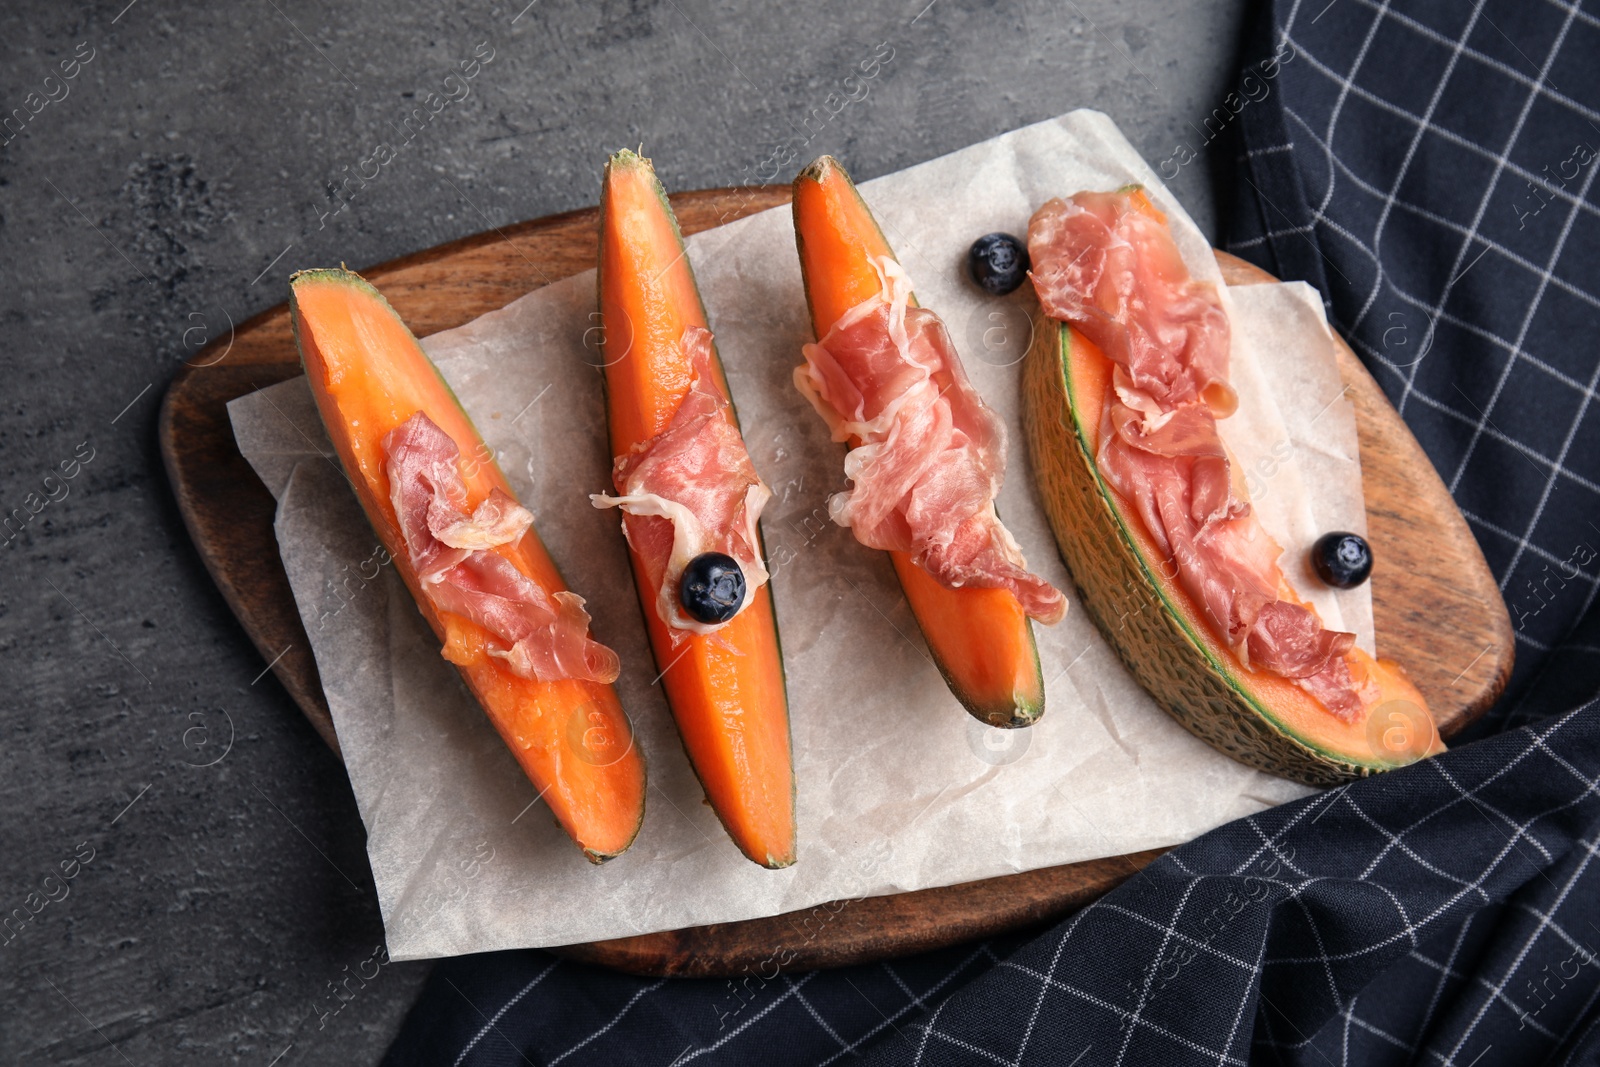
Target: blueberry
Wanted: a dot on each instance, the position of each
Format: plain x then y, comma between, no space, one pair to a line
712,588
998,262
1343,560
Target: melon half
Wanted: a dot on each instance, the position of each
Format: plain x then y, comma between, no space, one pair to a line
1258,718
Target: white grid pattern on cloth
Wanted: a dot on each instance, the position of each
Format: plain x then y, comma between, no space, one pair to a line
1516,832
1435,309
1424,124
1446,971
812,1011
916,1003
1520,956
498,1015
597,1034
792,992
793,988
1169,931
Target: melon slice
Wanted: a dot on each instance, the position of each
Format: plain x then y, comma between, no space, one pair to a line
980,639
369,375
1164,638
726,689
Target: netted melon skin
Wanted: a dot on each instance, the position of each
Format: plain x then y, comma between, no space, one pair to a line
1123,597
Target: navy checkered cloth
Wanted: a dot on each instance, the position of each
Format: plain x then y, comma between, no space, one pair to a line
1428,165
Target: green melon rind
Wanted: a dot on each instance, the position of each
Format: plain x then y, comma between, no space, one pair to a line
1117,587
1024,710
342,276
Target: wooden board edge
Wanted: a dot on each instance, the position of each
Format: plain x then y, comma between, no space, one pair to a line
866,929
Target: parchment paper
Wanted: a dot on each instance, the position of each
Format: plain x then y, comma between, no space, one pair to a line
899,788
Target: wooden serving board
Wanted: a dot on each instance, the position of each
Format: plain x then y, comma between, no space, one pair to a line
1438,609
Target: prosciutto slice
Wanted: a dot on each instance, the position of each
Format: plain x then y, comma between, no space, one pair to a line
930,455
689,490
453,555
1114,272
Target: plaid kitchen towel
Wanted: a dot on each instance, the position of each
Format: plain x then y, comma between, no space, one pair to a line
1429,166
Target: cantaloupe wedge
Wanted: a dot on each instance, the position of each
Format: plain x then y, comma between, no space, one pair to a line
726,688
369,375
980,639
1122,577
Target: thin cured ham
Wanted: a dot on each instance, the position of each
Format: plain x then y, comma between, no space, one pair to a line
1106,263
453,554
691,489
929,455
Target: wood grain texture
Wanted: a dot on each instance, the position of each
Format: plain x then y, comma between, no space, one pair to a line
1437,607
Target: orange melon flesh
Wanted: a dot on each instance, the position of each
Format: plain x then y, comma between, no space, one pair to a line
369,375
1089,377
726,689
981,639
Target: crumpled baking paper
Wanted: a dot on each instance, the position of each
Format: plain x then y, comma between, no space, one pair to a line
899,789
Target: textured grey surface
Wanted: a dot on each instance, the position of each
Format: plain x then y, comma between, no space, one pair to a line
140,209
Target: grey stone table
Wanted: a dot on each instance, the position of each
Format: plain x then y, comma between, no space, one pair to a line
165,165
